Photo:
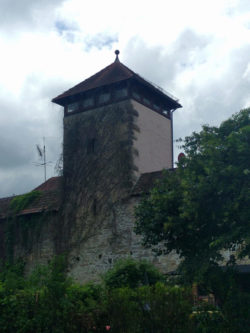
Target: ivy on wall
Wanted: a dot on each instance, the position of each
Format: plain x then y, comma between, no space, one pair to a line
15,222
21,202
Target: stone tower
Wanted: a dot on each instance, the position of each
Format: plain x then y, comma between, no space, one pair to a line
117,126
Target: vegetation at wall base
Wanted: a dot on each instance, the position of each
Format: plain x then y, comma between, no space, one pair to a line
48,301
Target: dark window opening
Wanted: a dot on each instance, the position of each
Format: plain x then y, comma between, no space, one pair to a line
156,107
88,102
94,207
166,113
120,93
146,101
72,107
104,98
91,146
136,95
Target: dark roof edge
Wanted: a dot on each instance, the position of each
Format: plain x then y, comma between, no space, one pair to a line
61,99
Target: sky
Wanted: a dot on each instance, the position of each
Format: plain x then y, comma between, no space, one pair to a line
197,50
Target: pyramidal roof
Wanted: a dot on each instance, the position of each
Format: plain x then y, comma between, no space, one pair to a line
114,73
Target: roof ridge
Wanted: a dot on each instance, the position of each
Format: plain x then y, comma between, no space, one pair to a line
99,74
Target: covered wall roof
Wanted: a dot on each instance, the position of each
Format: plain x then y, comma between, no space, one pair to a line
49,200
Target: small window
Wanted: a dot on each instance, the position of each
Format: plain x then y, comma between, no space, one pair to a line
146,101
156,107
165,112
104,98
136,95
91,146
72,107
120,93
94,207
88,102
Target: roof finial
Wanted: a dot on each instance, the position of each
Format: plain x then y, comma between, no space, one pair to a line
117,52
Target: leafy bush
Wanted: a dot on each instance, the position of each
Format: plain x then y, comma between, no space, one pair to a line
49,302
131,273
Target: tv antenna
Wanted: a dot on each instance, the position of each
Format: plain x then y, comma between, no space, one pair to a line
42,155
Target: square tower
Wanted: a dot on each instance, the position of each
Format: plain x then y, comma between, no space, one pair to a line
117,126
117,129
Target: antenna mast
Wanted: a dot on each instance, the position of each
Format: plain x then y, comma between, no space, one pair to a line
42,154
44,159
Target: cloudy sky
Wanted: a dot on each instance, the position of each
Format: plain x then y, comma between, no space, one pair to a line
197,50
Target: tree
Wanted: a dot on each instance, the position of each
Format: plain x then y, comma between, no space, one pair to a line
203,206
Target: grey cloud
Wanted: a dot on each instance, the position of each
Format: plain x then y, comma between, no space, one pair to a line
71,32
216,100
242,6
23,123
68,30
25,13
161,64
99,41
21,180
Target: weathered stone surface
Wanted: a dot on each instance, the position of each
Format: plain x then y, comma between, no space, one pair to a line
97,214
113,240
31,238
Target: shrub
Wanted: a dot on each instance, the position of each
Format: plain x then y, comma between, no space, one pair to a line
131,273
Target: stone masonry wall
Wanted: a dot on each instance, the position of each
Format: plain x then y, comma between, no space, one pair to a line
98,209
113,240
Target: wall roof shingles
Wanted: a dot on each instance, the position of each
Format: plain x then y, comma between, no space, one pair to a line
49,200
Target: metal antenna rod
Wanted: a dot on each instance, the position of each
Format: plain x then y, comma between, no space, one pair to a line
44,159
42,155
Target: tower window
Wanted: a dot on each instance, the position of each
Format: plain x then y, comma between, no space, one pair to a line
88,102
94,207
146,101
72,107
166,113
156,107
104,98
91,146
136,95
120,93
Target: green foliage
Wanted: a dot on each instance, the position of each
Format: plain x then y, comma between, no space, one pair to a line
236,310
156,308
207,318
20,202
12,276
49,302
131,273
204,206
166,309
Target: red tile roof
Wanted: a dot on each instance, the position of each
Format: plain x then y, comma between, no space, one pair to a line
52,184
116,72
49,200
147,181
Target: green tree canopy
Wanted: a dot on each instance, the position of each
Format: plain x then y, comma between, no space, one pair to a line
203,206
